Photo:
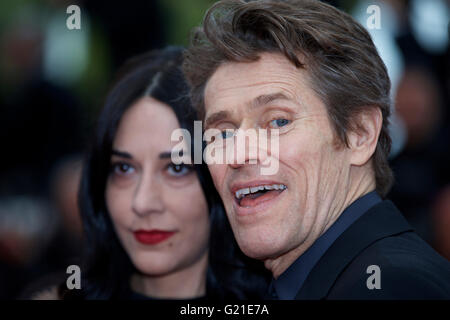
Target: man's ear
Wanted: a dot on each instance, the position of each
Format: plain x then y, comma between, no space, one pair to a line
364,138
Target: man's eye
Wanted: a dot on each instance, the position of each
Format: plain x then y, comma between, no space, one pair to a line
177,170
227,134
122,168
277,123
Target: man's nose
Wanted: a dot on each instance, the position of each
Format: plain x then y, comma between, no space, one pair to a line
244,149
147,197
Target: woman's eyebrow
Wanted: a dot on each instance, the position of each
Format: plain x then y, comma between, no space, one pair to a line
121,154
165,155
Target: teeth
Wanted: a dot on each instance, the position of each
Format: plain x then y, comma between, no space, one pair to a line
242,192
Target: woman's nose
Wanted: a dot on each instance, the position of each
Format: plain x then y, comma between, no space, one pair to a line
147,197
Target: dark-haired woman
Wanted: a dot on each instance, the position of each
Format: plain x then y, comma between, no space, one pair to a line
154,229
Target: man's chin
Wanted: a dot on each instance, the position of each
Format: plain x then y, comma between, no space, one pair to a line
259,250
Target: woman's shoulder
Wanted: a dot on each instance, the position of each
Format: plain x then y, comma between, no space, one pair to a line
46,294
43,288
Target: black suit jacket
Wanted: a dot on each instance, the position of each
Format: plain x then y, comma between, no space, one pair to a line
409,267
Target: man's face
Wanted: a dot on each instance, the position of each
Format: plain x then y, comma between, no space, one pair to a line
272,93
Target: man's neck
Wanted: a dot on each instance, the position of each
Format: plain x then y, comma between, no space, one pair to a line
359,188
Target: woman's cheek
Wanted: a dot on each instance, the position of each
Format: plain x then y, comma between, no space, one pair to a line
189,202
192,208
118,203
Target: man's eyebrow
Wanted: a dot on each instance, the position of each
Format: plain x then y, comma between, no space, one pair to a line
215,117
121,154
258,101
268,98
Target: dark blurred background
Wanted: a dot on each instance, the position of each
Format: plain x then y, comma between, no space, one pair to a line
53,81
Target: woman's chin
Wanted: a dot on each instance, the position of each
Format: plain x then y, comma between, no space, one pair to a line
153,267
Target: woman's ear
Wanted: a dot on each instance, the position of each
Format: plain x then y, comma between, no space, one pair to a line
364,138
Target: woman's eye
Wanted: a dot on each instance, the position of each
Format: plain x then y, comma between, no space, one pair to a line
177,170
278,123
122,168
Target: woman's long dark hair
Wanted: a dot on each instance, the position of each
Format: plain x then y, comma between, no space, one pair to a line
107,267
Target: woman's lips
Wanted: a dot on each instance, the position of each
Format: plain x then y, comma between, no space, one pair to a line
153,236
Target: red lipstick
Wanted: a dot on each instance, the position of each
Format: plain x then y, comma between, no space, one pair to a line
152,236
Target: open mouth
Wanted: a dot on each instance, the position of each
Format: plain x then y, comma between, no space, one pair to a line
252,196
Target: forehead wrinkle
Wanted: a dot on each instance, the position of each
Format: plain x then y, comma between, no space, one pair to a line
274,87
276,93
236,85
272,68
267,96
287,79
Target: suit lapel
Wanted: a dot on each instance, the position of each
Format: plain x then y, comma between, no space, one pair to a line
382,220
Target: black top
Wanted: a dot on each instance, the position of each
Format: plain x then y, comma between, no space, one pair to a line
133,295
214,292
409,267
